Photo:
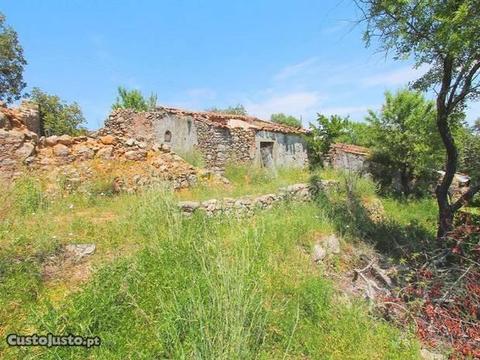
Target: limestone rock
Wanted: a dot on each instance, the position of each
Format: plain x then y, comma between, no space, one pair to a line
84,153
319,253
130,142
105,153
61,150
65,140
136,155
79,251
25,151
189,206
107,140
51,140
332,245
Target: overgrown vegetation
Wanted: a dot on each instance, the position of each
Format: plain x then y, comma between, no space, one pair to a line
57,117
406,145
245,180
199,287
135,100
238,109
323,135
441,35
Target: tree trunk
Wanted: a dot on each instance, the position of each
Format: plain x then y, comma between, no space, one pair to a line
445,209
446,212
405,180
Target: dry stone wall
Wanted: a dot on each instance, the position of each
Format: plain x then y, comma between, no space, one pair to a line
17,141
77,159
220,146
248,204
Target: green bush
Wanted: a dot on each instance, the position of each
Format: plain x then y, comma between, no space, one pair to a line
28,196
134,99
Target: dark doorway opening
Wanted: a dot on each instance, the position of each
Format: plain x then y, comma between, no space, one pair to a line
266,153
168,136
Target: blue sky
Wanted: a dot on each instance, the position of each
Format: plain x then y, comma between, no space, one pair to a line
299,57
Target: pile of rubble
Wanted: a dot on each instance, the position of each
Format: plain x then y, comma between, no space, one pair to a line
129,163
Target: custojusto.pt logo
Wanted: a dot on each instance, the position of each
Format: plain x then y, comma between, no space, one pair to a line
50,340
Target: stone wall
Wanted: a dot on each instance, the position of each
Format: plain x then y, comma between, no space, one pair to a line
348,157
17,143
220,146
30,116
289,150
133,162
127,124
219,137
248,204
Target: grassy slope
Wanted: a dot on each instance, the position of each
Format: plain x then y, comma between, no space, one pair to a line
168,287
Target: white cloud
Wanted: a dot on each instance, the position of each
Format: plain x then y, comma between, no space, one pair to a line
300,104
395,77
347,110
295,69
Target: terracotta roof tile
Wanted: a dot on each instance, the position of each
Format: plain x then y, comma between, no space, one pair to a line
353,149
223,120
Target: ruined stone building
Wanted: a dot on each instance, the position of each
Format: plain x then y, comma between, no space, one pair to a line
348,157
220,138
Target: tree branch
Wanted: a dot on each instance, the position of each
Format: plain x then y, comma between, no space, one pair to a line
467,87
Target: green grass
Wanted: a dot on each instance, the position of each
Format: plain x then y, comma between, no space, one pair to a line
193,157
246,180
231,288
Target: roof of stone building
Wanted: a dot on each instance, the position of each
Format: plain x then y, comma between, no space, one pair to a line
234,121
352,149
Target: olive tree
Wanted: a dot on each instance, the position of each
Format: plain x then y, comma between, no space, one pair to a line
444,36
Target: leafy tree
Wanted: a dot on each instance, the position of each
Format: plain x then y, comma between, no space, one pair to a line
56,116
12,63
232,110
469,151
357,133
323,135
405,140
134,99
288,120
444,36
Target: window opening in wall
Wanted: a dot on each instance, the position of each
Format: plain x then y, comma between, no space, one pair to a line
168,136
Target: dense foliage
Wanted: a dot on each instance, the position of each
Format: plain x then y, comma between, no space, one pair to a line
58,117
12,63
289,120
442,35
135,100
469,151
357,133
323,134
406,146
232,110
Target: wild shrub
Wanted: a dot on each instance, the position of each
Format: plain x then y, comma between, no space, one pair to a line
28,196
